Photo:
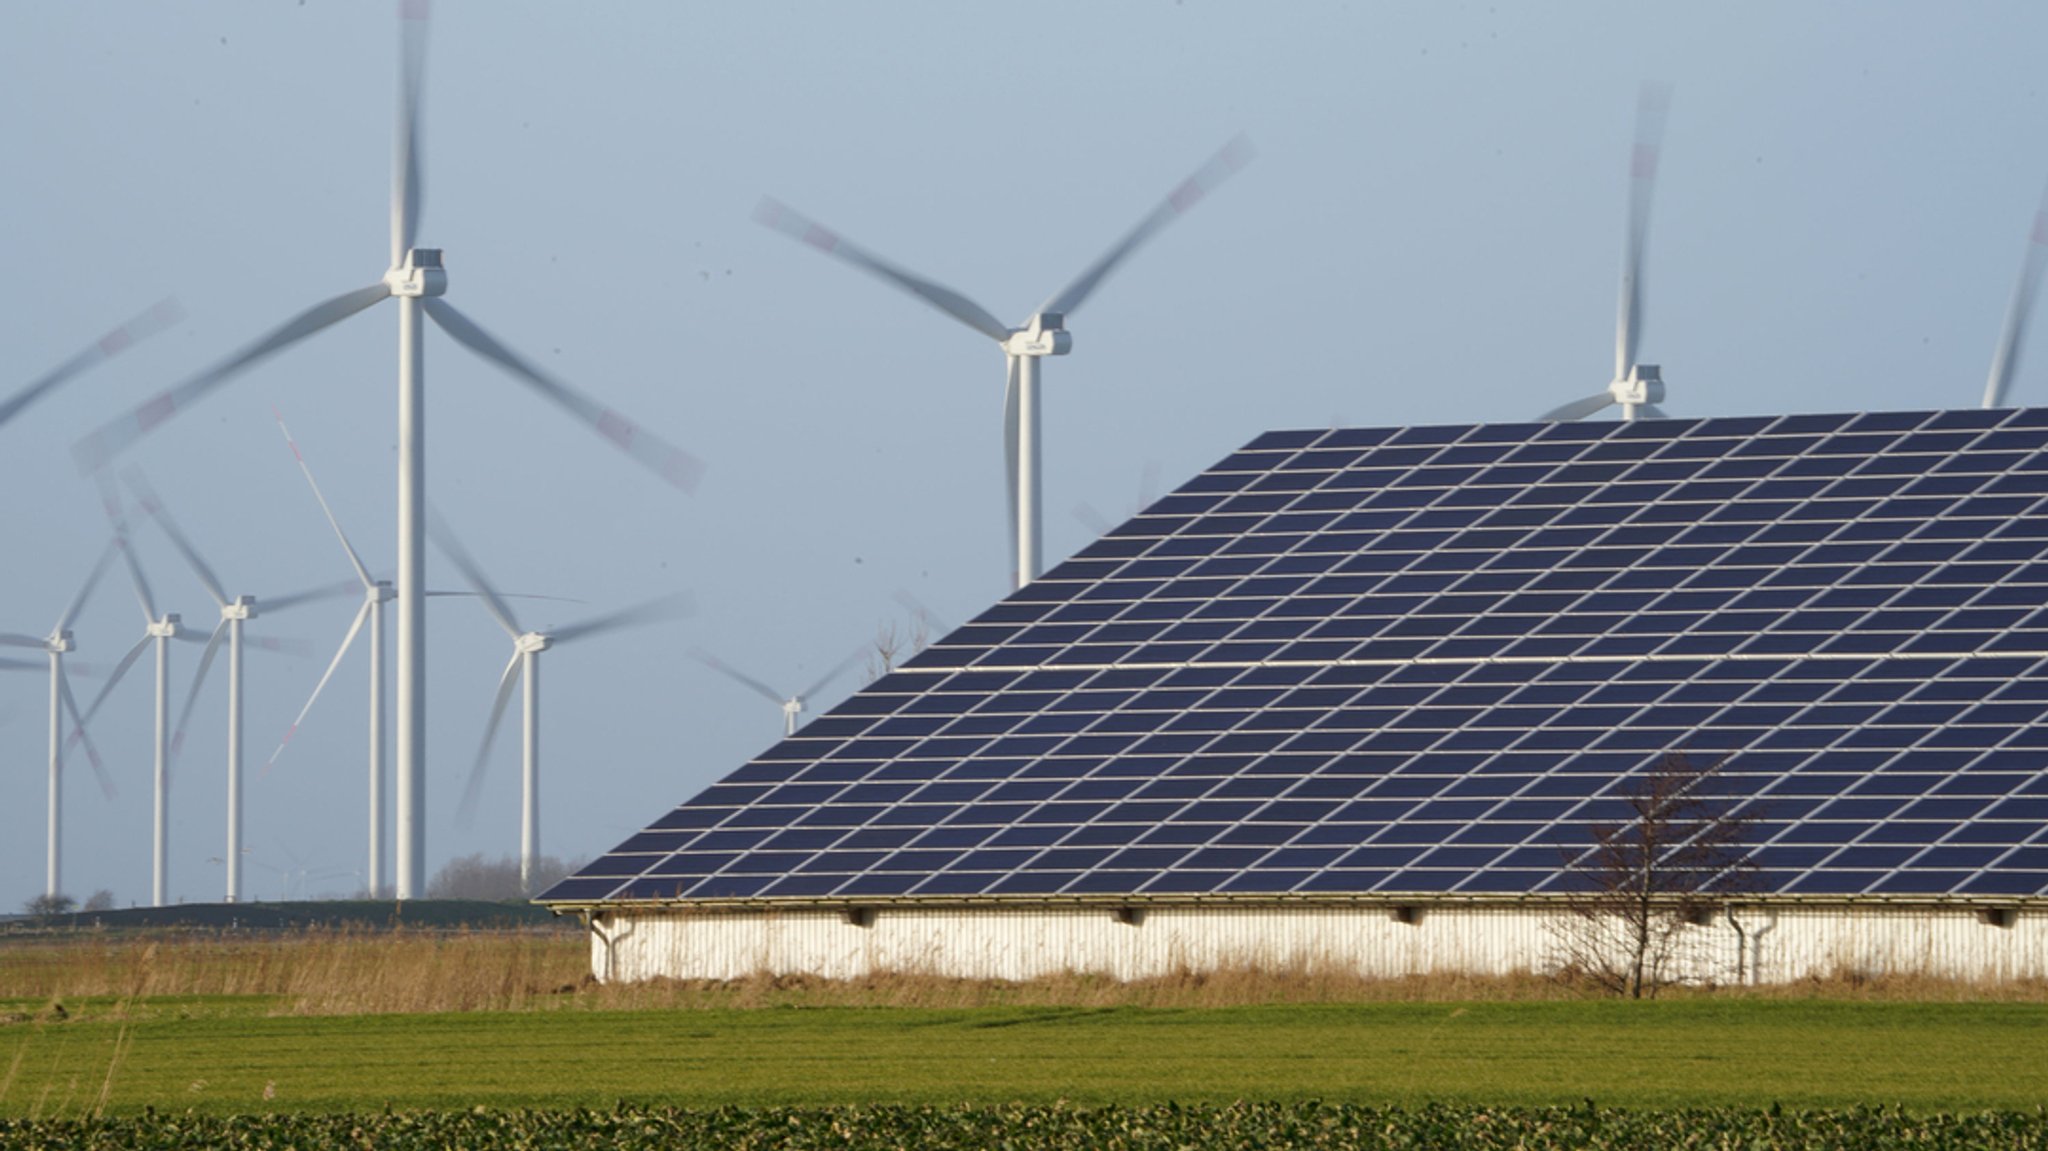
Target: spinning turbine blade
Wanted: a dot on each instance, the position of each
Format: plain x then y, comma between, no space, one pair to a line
147,497
1653,103
2013,339
671,463
92,754
120,669
22,665
405,168
1091,519
163,315
444,535
78,601
116,436
1191,191
473,789
198,680
841,668
362,572
310,595
666,607
916,608
737,676
362,613
781,217
1579,409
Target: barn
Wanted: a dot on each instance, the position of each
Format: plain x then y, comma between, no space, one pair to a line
1366,699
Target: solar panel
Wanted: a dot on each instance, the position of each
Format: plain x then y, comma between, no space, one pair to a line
1426,660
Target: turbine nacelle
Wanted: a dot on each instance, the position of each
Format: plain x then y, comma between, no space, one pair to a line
1043,337
532,643
1642,385
419,276
60,642
169,627
243,607
380,591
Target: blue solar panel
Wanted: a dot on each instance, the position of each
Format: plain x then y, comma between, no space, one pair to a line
1420,660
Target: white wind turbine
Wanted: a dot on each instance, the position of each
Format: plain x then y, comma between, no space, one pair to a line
525,668
1637,387
55,646
1043,334
235,611
416,278
2005,361
155,320
376,593
792,705
159,628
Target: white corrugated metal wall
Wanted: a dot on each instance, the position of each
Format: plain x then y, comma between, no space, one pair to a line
1763,944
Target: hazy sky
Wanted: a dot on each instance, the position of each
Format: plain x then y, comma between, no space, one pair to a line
1431,234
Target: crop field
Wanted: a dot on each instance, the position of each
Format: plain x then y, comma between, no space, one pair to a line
300,1039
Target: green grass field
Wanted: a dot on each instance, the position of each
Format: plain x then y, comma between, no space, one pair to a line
224,1056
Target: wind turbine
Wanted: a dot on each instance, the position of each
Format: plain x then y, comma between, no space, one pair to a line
156,319
159,628
376,593
55,646
418,281
2005,361
1043,334
525,667
792,705
1637,387
235,611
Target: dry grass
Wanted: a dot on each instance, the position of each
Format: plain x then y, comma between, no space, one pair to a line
343,972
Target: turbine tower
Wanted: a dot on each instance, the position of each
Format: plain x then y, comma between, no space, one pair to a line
525,668
2005,361
56,645
1637,387
1043,334
235,613
159,628
418,281
792,705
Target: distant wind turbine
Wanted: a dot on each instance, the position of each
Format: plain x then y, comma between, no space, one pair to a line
525,668
56,645
158,628
1637,387
1043,334
235,611
792,705
418,280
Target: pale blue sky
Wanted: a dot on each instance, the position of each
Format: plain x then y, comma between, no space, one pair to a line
1431,234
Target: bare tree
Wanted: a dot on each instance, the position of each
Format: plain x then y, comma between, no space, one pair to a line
49,907
893,644
101,900
1677,856
478,877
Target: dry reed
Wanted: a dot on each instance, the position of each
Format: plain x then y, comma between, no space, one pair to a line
344,972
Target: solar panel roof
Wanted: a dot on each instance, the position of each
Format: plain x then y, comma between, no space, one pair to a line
1427,660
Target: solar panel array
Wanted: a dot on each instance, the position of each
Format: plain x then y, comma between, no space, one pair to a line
1430,659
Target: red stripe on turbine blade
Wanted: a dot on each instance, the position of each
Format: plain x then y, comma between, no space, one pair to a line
820,239
1186,196
616,428
413,9
2040,235
115,341
1237,154
155,411
1643,164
